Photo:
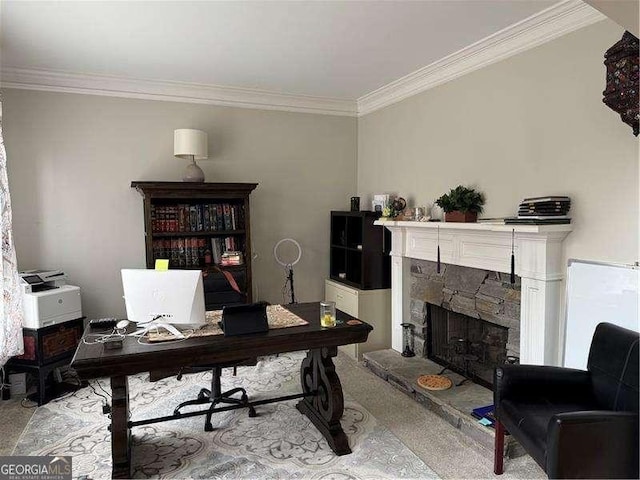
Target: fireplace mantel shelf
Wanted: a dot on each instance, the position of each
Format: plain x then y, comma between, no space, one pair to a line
537,250
484,227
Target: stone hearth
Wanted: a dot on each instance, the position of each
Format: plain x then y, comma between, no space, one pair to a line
453,405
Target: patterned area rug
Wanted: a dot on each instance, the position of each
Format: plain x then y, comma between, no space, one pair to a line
279,443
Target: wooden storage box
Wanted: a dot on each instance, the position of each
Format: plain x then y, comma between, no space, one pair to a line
50,344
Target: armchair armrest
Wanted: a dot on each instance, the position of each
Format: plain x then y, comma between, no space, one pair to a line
593,444
521,381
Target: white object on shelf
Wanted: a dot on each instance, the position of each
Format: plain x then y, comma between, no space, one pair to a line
371,306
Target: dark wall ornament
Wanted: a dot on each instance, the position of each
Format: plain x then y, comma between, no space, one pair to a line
621,92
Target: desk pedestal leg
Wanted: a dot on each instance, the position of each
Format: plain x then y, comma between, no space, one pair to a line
318,374
120,432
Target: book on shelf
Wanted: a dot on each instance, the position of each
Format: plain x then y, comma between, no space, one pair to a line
233,217
232,258
199,223
227,216
174,218
536,221
206,218
182,262
561,211
543,217
152,217
202,246
181,218
195,261
217,249
545,206
220,217
552,198
193,218
492,221
213,211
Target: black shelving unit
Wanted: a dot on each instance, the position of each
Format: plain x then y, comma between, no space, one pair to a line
359,251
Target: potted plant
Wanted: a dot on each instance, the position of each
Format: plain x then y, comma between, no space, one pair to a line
461,204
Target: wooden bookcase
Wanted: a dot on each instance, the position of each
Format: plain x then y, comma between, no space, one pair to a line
359,251
180,224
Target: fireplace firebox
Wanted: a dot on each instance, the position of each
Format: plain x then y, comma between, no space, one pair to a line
469,346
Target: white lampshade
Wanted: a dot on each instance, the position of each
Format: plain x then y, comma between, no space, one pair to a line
189,143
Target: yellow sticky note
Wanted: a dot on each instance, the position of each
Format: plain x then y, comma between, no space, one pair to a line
162,264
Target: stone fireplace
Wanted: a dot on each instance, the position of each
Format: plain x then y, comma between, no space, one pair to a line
466,319
529,310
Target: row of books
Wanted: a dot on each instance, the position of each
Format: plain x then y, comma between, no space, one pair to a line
201,217
543,211
232,258
551,210
544,207
198,251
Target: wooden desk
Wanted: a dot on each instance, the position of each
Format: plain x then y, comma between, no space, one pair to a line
321,398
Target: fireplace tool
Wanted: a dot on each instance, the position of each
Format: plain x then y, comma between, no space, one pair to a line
458,347
407,339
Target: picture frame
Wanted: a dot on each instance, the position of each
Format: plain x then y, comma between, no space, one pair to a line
379,202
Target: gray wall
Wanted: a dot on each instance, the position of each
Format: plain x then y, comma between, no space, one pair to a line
531,125
71,159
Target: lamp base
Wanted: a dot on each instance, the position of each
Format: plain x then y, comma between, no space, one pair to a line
193,173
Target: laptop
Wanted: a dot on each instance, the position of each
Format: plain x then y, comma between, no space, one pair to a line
244,319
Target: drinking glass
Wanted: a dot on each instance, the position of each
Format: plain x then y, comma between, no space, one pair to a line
327,314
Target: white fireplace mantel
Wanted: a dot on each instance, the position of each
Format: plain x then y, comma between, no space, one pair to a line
538,262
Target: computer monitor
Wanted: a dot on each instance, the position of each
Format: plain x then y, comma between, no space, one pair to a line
175,297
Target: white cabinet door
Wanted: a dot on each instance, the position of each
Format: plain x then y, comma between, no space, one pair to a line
371,306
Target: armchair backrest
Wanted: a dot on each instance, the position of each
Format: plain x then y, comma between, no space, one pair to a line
613,364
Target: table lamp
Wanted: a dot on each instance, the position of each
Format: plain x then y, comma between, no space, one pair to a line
192,145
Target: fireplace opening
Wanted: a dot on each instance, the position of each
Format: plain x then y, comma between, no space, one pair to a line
469,346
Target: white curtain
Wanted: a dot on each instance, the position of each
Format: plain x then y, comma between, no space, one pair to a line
11,301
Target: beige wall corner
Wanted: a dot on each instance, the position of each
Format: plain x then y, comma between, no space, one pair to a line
71,159
532,125
625,13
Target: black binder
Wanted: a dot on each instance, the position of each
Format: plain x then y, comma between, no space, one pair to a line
244,319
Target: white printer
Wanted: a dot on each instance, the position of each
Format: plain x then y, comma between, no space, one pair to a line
47,299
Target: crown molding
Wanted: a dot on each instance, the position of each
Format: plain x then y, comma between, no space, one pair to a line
544,26
113,86
551,23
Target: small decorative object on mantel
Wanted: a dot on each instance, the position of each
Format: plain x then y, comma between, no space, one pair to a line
461,204
420,214
380,202
621,92
395,209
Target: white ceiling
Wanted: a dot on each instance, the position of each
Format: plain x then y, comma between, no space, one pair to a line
340,49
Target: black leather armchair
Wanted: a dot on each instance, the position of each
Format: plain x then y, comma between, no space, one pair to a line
575,423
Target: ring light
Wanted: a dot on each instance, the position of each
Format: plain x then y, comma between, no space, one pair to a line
275,252
288,266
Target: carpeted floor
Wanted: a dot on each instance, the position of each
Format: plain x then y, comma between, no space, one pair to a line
279,443
443,448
